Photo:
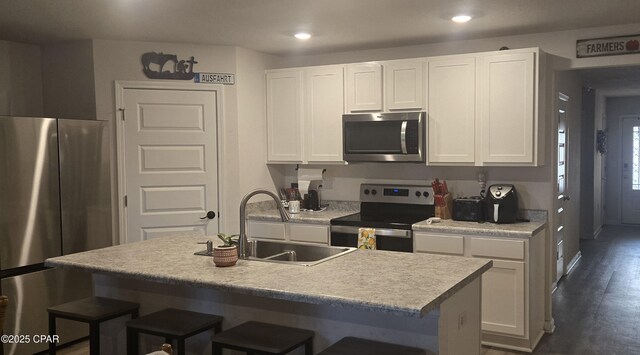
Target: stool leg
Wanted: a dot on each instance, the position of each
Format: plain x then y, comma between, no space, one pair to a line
94,338
132,342
181,347
52,332
308,347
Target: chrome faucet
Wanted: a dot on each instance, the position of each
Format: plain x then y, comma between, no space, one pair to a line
243,243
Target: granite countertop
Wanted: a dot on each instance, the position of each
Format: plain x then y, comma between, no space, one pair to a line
267,212
406,284
537,222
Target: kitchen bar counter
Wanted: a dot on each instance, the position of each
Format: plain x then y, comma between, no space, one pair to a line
267,212
537,222
400,284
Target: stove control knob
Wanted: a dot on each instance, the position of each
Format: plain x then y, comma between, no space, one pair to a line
499,187
366,191
418,194
373,192
498,193
425,194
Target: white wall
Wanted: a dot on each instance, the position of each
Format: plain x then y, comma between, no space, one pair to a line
587,164
616,107
561,43
68,82
20,79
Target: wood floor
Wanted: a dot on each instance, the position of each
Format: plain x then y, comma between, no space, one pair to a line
596,307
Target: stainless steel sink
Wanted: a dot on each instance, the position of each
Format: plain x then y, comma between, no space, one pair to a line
294,253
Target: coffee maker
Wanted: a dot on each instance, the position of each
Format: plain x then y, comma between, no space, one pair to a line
501,204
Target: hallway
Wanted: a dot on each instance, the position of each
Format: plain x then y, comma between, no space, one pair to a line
597,306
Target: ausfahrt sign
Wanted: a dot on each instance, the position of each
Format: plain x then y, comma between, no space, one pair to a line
598,47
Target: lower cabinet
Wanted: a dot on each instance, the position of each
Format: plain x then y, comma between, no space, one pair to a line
512,290
294,232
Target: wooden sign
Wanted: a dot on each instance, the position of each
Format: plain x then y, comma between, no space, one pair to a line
215,78
598,47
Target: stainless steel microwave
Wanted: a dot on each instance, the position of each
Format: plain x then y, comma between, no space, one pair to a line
384,137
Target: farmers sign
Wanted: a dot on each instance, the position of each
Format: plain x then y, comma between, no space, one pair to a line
607,46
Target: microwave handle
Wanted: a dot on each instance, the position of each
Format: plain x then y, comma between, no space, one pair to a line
403,137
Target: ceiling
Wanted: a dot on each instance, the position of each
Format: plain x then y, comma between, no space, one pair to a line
267,25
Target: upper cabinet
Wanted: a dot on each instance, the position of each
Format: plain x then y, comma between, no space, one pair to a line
284,112
404,84
452,110
323,109
507,108
304,114
364,87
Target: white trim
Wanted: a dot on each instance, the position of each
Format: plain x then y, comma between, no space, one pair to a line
573,262
596,233
120,87
550,326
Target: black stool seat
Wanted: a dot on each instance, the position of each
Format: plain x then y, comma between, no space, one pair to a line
263,338
352,346
172,324
92,310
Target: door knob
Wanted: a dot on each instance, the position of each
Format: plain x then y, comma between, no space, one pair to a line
566,198
210,215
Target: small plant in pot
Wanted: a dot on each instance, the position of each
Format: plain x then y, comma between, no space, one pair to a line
226,254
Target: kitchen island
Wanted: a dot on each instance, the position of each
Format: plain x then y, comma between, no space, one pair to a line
427,301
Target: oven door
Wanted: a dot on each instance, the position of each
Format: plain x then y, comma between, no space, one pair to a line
387,137
386,239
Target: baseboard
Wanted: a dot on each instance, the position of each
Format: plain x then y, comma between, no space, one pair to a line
596,233
550,326
554,287
573,262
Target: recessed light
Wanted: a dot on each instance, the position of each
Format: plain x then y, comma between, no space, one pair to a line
302,36
461,18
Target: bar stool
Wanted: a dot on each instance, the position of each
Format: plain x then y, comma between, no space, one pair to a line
263,338
172,324
351,345
92,310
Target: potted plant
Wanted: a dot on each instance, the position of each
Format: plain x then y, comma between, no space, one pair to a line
226,254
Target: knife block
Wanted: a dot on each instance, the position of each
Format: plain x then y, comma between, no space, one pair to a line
445,211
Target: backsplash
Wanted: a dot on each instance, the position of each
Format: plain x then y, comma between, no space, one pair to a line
342,182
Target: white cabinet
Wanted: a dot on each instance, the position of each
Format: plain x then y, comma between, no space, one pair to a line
404,84
304,114
452,110
324,106
364,87
507,108
503,298
284,113
294,232
438,243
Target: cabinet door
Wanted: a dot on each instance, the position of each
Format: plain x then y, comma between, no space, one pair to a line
507,90
364,87
503,308
452,110
404,84
266,230
284,116
324,106
308,233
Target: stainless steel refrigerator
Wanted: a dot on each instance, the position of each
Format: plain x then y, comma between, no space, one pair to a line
54,200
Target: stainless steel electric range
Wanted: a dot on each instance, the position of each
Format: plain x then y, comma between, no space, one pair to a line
391,210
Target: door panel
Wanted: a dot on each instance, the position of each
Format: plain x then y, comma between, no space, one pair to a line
631,170
503,308
171,162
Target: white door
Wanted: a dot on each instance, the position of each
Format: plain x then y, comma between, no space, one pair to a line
364,87
404,84
631,170
562,181
284,116
171,162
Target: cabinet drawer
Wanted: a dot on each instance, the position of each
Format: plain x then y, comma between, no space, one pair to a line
267,230
497,248
439,243
308,233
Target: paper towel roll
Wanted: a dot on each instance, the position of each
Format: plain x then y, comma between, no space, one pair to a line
305,176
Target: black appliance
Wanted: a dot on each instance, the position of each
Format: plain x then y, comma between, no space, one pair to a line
312,201
468,209
391,210
501,203
384,137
